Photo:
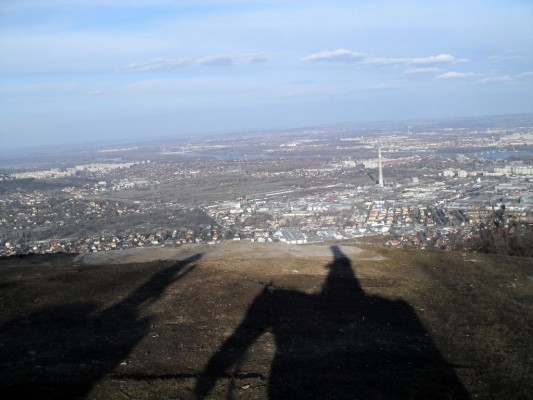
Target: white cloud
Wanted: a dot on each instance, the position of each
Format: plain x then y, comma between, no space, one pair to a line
155,65
255,58
438,59
504,78
161,64
217,61
228,59
95,92
456,74
491,79
341,55
351,57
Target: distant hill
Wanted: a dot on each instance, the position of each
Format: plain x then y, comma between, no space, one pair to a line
266,321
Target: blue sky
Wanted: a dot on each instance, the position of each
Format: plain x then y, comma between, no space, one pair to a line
88,70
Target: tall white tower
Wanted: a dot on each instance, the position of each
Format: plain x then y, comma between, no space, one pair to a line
380,179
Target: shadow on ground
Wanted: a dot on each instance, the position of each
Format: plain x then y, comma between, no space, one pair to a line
62,352
338,344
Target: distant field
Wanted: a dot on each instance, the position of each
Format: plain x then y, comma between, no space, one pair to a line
212,190
266,321
196,192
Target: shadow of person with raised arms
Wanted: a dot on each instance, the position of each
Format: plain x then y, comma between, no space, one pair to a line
63,351
338,344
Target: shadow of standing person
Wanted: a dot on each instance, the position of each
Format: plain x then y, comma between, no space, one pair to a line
338,344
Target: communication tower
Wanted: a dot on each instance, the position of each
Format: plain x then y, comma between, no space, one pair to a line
380,179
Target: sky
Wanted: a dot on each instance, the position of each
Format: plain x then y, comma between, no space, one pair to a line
81,71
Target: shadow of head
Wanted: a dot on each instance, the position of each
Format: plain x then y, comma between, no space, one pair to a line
341,264
337,253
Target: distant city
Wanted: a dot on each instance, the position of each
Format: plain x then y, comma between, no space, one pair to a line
419,184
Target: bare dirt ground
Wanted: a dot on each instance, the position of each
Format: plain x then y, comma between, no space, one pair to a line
266,321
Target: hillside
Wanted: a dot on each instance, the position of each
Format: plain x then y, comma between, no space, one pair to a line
247,321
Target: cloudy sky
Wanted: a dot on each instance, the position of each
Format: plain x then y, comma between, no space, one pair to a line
78,70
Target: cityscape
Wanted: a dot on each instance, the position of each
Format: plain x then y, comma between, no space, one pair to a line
417,184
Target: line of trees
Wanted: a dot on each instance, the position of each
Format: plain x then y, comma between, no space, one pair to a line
502,233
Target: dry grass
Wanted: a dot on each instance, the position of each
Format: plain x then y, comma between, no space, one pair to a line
477,310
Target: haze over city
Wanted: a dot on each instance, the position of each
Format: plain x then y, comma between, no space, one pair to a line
82,71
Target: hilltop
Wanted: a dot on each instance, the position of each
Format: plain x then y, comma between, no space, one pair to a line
266,321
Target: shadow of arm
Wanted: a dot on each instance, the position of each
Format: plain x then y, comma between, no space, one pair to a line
234,349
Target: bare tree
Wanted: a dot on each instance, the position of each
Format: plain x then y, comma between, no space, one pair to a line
500,232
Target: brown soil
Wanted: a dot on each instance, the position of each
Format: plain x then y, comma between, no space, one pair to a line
266,321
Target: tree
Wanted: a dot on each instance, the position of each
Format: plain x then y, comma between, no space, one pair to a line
502,233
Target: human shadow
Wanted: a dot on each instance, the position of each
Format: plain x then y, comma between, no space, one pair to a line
338,344
62,352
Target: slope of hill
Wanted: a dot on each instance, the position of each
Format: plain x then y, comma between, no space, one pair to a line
266,321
